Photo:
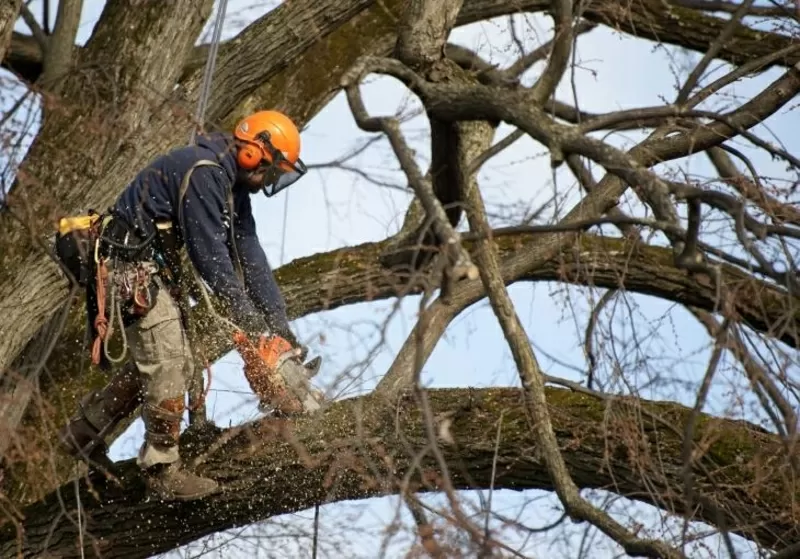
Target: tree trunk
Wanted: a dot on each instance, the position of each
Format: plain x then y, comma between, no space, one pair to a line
362,448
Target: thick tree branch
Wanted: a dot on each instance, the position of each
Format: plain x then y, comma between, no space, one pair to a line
733,7
741,470
689,28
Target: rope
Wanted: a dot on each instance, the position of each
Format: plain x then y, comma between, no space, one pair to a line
202,104
205,90
100,321
103,325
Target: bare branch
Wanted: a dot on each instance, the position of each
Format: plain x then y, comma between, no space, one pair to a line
490,74
756,374
533,389
588,183
458,260
526,61
748,68
490,152
58,56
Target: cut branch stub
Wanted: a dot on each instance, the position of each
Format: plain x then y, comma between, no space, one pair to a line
424,30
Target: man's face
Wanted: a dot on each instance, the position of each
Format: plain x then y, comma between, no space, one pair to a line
253,181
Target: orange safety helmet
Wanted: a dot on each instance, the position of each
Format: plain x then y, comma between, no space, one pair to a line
271,142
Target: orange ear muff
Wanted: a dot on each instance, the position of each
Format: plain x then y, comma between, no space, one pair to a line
249,156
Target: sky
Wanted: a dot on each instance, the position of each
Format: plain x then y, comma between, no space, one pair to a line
332,208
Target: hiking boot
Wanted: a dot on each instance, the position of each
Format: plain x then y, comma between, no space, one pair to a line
172,483
159,456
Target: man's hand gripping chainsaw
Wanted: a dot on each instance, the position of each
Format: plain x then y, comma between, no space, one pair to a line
278,376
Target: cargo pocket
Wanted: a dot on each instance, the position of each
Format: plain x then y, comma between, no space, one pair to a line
158,336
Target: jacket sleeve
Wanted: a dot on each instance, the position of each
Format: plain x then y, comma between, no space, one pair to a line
205,231
259,279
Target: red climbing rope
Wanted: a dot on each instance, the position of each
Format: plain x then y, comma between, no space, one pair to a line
100,321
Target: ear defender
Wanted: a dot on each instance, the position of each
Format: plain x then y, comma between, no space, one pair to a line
249,156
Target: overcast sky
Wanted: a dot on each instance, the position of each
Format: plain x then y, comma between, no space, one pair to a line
331,208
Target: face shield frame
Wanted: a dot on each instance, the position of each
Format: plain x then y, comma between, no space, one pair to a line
279,172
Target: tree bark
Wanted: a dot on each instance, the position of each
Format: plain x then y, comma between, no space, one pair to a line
8,15
362,448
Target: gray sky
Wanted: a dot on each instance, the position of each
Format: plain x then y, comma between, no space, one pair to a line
332,208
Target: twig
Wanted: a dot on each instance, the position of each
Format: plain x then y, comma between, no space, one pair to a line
750,188
481,160
745,69
526,61
494,474
688,435
607,297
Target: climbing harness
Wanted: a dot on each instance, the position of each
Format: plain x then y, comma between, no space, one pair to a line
99,247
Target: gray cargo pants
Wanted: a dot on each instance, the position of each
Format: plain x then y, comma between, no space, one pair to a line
160,348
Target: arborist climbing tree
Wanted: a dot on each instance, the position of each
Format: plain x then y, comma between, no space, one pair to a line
128,259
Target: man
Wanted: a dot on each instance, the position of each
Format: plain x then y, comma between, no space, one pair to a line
198,197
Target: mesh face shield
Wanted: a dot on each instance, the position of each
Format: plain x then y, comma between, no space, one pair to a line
279,172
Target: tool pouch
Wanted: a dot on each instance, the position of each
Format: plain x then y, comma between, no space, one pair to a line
74,245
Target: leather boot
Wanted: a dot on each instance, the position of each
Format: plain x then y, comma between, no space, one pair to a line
99,413
160,459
